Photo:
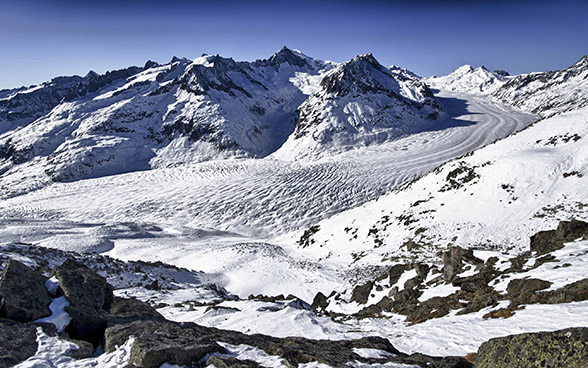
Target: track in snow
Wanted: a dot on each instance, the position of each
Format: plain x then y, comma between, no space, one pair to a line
268,197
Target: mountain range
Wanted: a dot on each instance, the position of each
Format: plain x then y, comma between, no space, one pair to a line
434,212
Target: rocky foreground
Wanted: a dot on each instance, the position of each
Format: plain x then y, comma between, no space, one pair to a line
59,295
98,319
475,283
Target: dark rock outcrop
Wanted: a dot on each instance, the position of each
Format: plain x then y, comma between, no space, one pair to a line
320,301
125,310
565,348
454,259
23,296
361,293
574,292
550,240
158,342
523,290
228,362
90,297
18,342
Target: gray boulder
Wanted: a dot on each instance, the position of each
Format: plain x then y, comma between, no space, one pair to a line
453,261
124,310
523,290
548,241
361,293
18,342
565,348
90,297
158,342
23,296
574,292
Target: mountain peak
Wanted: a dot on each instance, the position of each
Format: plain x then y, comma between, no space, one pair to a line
363,72
367,58
582,63
292,57
91,74
466,68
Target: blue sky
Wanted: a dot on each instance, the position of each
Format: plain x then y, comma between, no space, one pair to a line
44,39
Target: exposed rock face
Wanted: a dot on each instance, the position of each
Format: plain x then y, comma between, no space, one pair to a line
228,362
320,301
90,297
23,296
550,240
576,291
523,289
18,342
454,259
158,342
565,348
129,310
361,293
474,281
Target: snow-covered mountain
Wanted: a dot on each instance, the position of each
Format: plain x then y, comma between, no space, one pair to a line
361,102
311,204
19,107
548,93
470,80
209,108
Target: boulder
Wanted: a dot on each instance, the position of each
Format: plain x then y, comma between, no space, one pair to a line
361,293
158,342
422,270
90,297
574,292
396,271
432,308
228,362
320,302
454,259
84,350
564,348
23,296
482,298
18,342
550,240
124,310
523,290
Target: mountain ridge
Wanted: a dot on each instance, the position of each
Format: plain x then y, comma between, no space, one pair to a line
185,111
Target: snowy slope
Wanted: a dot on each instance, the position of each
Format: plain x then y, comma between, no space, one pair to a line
228,216
269,196
360,102
22,106
466,79
494,198
548,93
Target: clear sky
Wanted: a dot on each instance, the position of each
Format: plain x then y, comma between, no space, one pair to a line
44,39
